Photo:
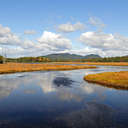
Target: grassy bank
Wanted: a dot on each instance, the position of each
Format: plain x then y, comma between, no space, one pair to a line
22,67
108,63
97,63
118,80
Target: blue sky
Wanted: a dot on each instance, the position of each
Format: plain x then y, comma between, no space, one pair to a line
45,21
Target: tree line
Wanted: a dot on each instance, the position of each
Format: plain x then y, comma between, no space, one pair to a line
24,59
45,59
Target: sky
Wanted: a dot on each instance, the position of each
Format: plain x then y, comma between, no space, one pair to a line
41,27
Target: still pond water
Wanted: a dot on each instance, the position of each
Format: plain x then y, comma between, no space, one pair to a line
61,99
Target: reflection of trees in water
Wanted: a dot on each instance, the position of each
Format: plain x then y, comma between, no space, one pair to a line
44,80
47,81
94,115
53,82
63,81
50,81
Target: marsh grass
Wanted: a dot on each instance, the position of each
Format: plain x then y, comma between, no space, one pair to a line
118,80
24,67
97,63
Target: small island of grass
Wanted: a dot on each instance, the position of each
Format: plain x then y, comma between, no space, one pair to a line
118,80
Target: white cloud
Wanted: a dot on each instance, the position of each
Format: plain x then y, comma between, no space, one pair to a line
16,46
13,45
104,41
104,44
86,51
7,37
97,23
68,27
110,53
109,44
4,30
53,41
29,32
26,44
88,89
48,43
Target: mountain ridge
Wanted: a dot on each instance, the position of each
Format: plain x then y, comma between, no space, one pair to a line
68,56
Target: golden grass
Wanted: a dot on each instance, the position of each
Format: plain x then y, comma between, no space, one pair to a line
24,67
108,63
97,63
118,80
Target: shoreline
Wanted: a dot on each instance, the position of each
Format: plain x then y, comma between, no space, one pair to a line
117,80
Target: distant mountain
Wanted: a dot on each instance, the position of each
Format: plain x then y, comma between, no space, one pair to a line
68,56
92,56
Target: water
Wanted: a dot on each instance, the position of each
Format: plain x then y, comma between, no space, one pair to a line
61,99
